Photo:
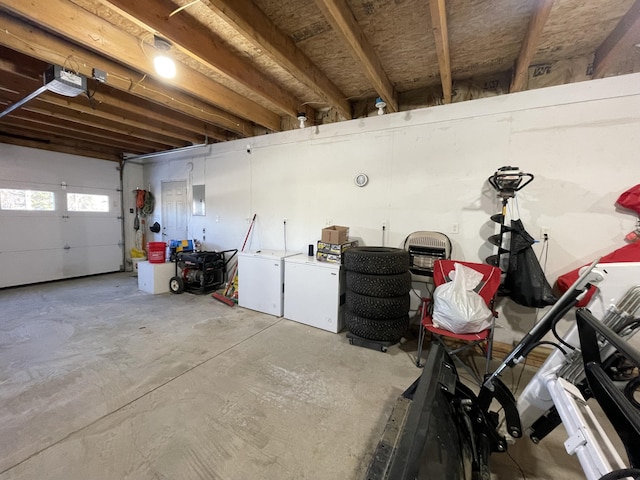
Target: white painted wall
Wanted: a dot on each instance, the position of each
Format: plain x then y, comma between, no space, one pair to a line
132,179
428,170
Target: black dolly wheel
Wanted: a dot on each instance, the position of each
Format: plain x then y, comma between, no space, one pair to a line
176,285
376,260
377,308
379,285
388,330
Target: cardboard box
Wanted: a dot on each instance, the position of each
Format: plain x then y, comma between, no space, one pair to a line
335,234
335,248
328,257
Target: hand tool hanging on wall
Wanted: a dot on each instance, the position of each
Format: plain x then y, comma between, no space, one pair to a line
139,201
224,297
506,181
525,282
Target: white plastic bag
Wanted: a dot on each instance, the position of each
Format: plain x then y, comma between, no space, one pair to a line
456,307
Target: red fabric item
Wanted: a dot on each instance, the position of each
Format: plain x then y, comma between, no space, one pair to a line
140,198
628,253
630,199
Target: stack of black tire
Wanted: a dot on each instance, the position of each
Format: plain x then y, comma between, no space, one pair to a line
377,297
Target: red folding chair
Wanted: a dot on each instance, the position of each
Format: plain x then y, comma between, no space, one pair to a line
487,289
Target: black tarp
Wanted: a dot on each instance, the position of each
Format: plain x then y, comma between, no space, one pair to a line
525,280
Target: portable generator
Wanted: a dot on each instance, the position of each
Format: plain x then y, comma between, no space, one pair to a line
200,272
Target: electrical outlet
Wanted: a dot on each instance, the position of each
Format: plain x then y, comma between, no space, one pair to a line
455,228
284,219
99,75
544,233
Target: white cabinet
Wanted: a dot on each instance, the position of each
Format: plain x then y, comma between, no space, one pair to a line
314,292
154,277
261,280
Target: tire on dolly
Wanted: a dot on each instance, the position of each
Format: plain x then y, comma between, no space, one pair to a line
387,330
376,260
379,285
377,308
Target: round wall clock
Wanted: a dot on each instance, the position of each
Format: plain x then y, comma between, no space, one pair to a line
361,179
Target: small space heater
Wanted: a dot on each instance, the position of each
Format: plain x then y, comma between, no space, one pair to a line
425,248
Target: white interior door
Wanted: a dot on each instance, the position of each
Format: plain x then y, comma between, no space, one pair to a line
174,210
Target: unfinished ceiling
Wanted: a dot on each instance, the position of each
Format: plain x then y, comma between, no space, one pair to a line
246,68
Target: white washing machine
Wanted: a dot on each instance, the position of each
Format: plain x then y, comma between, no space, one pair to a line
261,280
314,292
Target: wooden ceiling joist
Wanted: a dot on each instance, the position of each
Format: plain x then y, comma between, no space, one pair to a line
256,27
194,93
54,50
621,39
341,18
35,127
81,105
44,117
46,142
541,12
438,11
107,126
105,97
199,43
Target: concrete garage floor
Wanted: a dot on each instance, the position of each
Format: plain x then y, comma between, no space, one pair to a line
99,380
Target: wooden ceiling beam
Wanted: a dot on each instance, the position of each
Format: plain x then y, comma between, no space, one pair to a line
88,116
541,12
260,30
35,42
45,117
83,120
115,101
45,142
81,104
625,35
89,138
108,99
198,42
341,18
438,11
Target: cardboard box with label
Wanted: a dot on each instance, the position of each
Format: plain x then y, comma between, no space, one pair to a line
328,257
336,248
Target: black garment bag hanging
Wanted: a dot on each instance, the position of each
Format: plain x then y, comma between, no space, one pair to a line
525,279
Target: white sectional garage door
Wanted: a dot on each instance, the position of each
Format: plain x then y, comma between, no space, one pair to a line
60,216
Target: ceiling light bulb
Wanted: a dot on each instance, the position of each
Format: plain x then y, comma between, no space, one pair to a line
303,118
380,104
165,66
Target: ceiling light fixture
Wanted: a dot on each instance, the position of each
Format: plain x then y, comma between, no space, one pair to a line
164,65
302,117
380,104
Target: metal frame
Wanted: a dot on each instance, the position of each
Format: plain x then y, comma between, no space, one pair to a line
212,268
425,247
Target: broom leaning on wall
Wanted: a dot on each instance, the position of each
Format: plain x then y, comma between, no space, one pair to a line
227,294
